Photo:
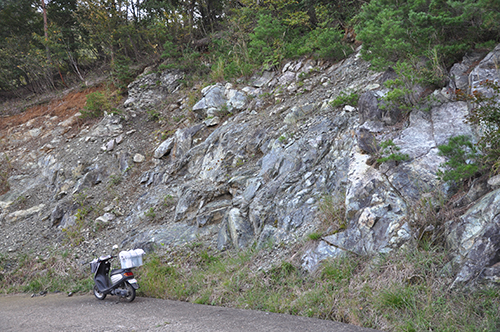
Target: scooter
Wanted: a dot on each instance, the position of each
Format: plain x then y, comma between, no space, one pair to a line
120,282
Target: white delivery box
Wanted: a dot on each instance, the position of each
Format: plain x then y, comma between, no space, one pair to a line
131,258
136,257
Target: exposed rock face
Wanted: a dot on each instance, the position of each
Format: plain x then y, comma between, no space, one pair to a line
476,235
256,176
218,99
151,89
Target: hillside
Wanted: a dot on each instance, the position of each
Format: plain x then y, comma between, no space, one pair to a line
276,175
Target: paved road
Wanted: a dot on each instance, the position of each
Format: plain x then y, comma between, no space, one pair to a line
58,312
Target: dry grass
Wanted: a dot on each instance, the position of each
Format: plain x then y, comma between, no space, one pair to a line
332,213
5,170
55,273
401,291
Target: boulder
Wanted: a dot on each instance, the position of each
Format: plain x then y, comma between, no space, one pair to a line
213,98
475,238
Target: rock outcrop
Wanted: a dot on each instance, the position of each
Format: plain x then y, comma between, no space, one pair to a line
251,167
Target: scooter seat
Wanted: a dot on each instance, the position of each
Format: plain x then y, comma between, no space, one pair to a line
119,271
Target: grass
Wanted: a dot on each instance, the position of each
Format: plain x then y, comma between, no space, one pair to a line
332,213
400,291
31,274
5,170
406,290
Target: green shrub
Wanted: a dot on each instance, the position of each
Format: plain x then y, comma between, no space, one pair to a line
330,45
154,115
314,236
170,50
463,159
340,269
121,72
398,298
332,213
97,103
266,42
344,99
412,73
390,152
393,30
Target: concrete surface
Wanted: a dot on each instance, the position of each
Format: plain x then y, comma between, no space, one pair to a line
58,312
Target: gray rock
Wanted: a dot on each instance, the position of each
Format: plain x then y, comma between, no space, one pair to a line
22,214
106,218
239,229
213,121
236,184
263,80
164,148
287,78
476,238
494,181
368,107
294,115
486,70
367,142
236,100
449,120
139,158
109,126
459,72
213,97
151,89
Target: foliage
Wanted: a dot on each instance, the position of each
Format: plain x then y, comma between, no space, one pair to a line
314,236
346,99
462,159
18,65
97,103
329,44
122,75
412,74
170,50
150,213
115,179
266,42
392,30
390,152
332,213
230,39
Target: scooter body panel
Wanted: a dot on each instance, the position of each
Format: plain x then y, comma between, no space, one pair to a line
107,285
119,282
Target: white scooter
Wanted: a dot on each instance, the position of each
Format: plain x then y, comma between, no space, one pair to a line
120,282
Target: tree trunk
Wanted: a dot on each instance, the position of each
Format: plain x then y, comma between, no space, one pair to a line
45,30
49,58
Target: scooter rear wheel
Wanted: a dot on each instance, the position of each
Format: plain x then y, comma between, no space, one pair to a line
130,292
98,294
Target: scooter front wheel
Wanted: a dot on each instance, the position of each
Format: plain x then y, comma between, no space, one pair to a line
98,294
130,292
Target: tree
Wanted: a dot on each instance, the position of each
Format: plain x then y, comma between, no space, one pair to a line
393,30
19,19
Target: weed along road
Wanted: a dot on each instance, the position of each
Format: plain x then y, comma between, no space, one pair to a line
58,312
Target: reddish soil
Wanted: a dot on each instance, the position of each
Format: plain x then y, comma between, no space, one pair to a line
63,108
